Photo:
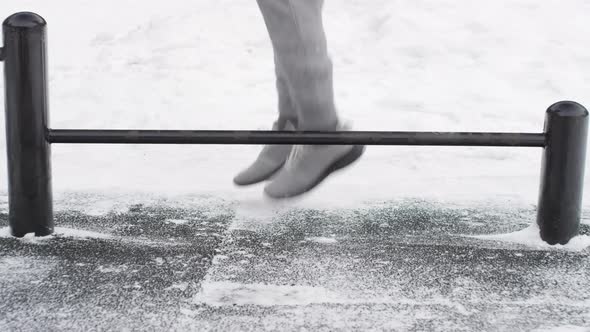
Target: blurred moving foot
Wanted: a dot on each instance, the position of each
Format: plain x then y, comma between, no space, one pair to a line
269,161
308,165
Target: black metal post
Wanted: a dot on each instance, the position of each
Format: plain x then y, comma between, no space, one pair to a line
29,166
562,174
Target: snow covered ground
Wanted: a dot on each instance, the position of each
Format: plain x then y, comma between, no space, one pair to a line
425,65
400,65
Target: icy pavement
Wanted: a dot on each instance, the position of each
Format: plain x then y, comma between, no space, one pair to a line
399,265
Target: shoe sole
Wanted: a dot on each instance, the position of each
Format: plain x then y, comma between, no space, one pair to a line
349,158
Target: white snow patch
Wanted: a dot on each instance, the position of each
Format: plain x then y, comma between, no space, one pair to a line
102,207
3,204
229,293
181,286
564,328
322,240
530,237
5,232
411,48
80,233
218,259
176,221
225,293
24,269
113,268
99,203
58,232
253,213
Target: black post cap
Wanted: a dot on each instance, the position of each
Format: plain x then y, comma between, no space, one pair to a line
568,109
24,20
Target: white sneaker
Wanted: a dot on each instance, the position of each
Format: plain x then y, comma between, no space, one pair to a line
269,161
308,165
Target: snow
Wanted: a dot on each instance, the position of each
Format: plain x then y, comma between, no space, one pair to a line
16,271
58,232
176,221
112,269
226,293
564,328
230,294
529,237
424,65
322,240
76,233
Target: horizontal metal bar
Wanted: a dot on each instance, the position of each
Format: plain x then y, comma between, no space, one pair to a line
303,138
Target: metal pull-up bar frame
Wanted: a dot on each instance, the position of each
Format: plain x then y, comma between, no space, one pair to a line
29,139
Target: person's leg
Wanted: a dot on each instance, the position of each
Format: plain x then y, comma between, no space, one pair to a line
286,107
301,58
272,157
299,42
